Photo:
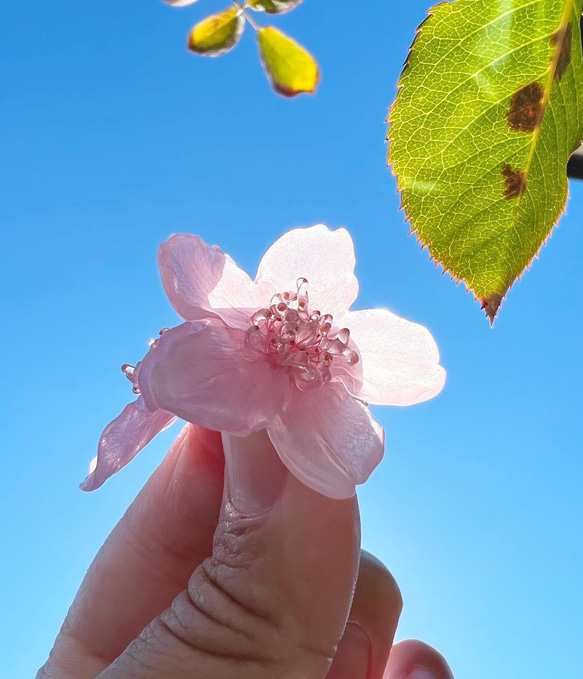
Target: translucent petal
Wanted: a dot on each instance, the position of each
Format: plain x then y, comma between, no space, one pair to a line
196,276
123,438
324,257
198,372
399,359
328,440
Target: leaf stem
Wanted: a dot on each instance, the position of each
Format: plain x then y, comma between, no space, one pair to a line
246,14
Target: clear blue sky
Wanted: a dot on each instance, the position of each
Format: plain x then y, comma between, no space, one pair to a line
112,137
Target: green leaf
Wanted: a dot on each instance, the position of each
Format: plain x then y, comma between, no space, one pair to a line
273,6
218,33
486,116
290,68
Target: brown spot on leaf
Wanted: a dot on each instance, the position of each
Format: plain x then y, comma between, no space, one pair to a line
515,182
525,112
563,39
491,304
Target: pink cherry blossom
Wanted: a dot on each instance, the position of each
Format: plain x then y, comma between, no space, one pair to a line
282,353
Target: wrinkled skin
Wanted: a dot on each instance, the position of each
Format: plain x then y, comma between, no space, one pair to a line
227,567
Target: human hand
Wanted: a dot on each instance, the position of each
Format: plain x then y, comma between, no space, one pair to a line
255,577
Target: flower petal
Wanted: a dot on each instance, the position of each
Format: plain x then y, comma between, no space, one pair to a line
324,257
198,372
196,276
400,359
328,440
123,438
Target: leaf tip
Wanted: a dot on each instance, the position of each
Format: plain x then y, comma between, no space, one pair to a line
491,304
291,69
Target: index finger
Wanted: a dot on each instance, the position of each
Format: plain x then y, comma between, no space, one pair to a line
148,558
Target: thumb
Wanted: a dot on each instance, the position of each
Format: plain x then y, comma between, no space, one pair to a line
273,598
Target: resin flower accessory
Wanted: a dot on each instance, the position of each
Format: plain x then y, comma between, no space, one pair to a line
282,353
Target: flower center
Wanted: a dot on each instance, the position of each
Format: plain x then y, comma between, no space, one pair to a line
302,341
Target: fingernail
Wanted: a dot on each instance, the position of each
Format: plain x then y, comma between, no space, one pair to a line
254,474
352,659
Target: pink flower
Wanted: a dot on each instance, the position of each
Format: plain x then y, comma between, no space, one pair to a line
282,353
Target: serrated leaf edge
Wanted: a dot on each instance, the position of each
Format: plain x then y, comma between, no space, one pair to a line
565,19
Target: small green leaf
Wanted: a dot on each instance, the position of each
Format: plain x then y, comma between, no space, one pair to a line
290,68
217,34
273,6
486,116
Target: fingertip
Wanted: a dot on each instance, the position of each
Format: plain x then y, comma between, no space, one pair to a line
198,448
186,489
413,659
376,608
147,560
374,570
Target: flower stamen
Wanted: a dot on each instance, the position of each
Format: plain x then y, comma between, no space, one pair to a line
299,340
130,372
